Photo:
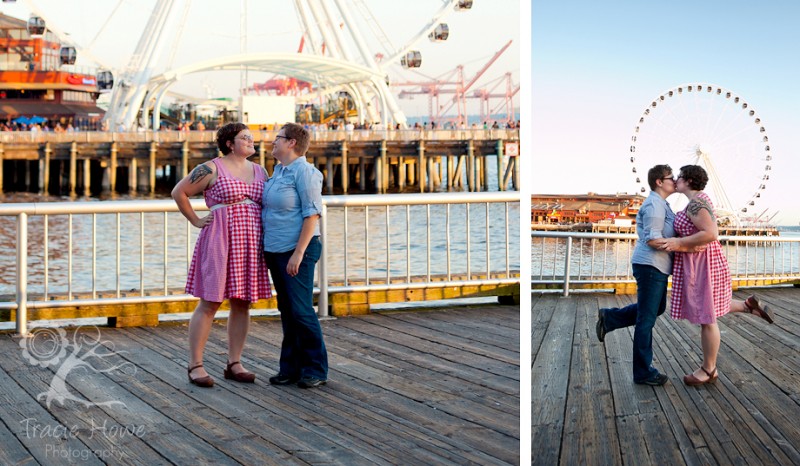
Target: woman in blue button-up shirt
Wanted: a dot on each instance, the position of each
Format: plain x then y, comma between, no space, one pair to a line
291,207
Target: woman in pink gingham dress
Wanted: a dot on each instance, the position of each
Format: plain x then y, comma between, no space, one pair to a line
228,262
701,281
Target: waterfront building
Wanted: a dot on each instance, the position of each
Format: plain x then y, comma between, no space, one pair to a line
38,80
584,211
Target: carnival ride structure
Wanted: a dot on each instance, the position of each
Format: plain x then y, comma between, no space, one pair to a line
344,54
707,125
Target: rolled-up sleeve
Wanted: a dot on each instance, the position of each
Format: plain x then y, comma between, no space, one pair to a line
309,188
653,222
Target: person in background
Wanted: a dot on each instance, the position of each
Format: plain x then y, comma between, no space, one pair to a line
701,283
227,261
292,205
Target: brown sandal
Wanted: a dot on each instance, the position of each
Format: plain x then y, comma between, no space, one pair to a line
691,380
754,306
205,382
244,377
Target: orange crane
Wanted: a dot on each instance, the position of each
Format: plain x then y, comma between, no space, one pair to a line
433,89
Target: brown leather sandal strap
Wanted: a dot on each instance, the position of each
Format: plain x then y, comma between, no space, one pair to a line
195,367
231,364
710,374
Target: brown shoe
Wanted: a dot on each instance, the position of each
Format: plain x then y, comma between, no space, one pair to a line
754,306
691,380
244,377
205,382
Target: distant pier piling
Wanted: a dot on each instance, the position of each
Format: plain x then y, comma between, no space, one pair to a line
90,163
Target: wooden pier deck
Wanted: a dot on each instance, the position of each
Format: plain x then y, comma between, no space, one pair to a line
421,387
587,410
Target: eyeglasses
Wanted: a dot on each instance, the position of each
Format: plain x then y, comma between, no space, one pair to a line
245,138
669,178
278,136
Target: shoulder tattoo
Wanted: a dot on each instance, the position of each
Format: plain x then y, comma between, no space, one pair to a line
200,172
696,205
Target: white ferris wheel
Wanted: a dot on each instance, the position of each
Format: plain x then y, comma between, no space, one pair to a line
349,54
707,125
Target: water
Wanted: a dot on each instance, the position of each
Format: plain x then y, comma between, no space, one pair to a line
408,254
611,258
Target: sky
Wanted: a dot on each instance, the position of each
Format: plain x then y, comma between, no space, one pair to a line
110,30
596,66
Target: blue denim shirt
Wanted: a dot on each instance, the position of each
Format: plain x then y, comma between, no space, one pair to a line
291,194
654,220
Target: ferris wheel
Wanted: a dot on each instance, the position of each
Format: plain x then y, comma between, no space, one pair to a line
706,125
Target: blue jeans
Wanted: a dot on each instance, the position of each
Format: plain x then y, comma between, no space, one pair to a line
651,302
303,352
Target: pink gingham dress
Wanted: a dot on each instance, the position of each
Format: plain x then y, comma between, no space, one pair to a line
228,259
701,281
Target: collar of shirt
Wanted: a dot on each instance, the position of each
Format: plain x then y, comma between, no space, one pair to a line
294,166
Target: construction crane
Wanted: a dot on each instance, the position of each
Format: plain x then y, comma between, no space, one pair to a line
434,89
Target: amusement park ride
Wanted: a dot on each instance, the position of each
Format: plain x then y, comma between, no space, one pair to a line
341,65
705,124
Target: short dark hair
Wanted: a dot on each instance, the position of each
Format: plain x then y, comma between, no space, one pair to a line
299,134
656,173
695,175
228,133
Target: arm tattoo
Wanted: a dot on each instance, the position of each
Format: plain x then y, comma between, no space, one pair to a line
200,172
696,205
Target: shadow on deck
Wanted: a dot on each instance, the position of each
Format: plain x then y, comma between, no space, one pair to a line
424,387
587,410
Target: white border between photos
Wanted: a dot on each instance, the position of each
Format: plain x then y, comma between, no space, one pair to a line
526,167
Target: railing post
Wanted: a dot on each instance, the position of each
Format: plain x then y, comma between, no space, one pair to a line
567,258
22,274
322,301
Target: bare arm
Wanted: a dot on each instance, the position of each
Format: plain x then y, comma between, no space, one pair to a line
702,216
198,181
306,233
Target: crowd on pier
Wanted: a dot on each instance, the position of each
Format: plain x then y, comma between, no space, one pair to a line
39,124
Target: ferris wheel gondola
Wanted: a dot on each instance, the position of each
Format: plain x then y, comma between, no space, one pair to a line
68,55
440,34
36,26
707,125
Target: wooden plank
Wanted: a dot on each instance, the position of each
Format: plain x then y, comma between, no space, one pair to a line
398,360
448,349
45,438
549,383
294,431
742,419
379,427
157,433
463,341
589,427
541,314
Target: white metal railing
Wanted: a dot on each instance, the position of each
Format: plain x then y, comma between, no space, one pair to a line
371,242
571,258
317,135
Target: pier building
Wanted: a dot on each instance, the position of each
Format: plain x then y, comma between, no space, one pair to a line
585,212
38,81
